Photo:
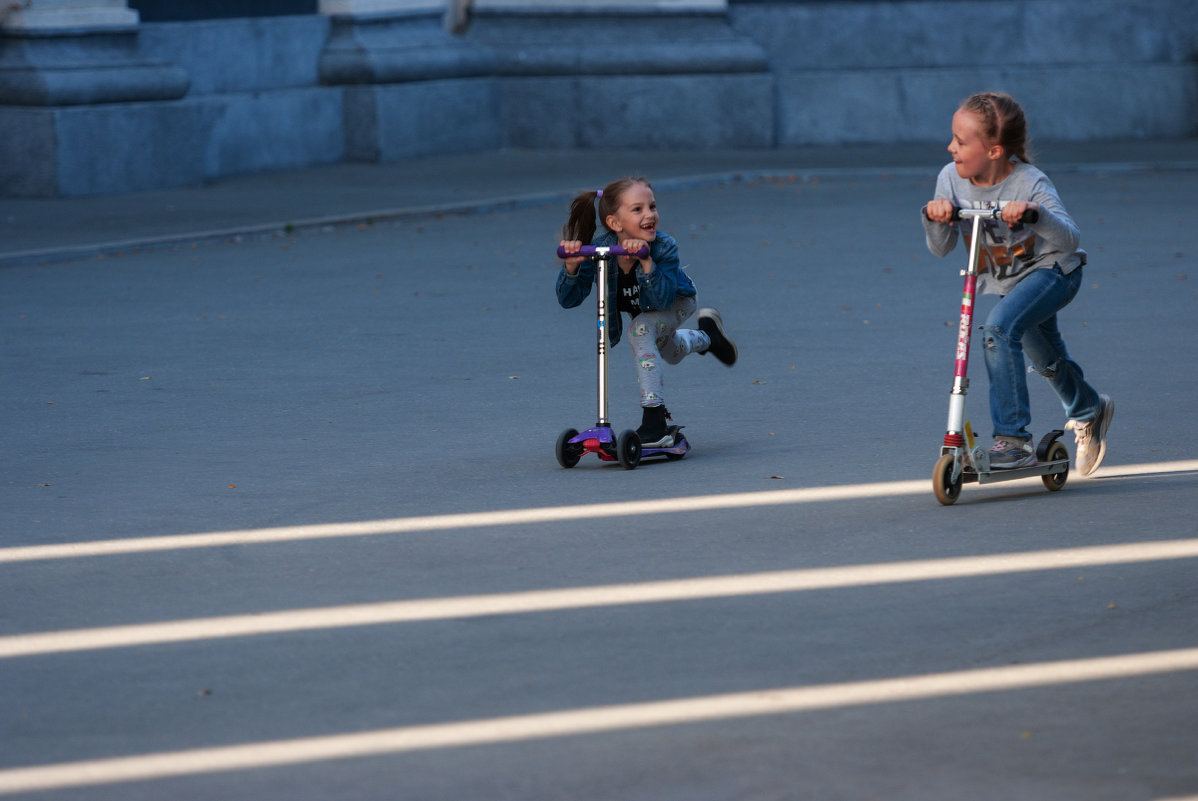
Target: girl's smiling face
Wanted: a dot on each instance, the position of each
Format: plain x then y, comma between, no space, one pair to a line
977,160
636,218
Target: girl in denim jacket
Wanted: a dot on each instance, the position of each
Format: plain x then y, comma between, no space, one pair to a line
654,292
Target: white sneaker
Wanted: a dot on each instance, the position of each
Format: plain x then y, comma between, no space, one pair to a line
1091,436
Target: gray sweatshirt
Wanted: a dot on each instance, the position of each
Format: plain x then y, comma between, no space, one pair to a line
1008,252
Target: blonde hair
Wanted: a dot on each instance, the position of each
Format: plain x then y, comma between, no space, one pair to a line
1002,122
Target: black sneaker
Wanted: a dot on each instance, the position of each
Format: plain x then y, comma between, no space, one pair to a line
655,431
721,346
1011,452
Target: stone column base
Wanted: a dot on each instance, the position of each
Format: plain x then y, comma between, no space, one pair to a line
60,70
397,48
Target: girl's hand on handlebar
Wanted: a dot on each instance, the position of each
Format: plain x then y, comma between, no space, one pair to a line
636,246
1013,212
939,210
572,262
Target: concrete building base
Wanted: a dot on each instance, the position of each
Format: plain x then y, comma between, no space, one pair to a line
128,147
173,104
1067,102
394,122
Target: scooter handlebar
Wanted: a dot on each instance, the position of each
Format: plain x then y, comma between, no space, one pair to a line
1030,217
599,250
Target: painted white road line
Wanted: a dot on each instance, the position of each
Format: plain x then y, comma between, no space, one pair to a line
675,590
511,517
568,723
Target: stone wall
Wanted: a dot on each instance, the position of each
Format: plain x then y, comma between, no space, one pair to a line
154,105
892,71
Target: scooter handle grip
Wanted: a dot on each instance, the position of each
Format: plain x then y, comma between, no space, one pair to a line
591,250
1030,217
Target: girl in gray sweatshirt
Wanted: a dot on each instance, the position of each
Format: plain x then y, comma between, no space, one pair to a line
1036,269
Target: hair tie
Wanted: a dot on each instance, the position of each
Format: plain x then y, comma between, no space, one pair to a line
598,195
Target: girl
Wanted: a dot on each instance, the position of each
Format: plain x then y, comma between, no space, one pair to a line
1036,268
654,292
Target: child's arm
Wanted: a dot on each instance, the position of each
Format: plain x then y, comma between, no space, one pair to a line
575,278
940,232
659,284
571,262
632,262
1054,226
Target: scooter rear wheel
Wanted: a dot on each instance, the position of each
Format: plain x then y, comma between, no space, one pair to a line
1056,481
946,490
628,449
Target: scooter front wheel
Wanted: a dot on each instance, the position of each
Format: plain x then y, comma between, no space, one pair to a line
628,449
567,454
946,490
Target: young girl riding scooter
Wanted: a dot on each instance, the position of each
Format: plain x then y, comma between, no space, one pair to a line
1036,268
653,291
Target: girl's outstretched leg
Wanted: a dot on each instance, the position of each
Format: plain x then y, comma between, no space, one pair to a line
1045,349
1089,413
673,341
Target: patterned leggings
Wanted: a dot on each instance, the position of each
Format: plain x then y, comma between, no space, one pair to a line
655,336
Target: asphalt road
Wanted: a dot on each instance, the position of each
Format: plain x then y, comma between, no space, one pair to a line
280,519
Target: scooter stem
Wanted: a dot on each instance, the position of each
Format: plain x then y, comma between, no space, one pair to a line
602,259
954,430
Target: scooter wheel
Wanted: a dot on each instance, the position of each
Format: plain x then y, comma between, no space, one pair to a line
568,454
1056,481
628,449
947,491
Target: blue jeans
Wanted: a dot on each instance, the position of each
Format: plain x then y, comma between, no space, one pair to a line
1024,321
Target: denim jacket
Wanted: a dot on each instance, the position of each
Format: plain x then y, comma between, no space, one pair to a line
658,288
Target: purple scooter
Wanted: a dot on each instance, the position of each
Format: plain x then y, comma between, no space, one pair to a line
600,439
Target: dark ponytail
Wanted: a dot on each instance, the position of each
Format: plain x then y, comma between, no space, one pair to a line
580,224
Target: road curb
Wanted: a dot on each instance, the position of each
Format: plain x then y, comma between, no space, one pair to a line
507,203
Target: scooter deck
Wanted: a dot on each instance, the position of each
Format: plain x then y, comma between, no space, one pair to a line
1009,474
601,441
680,448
